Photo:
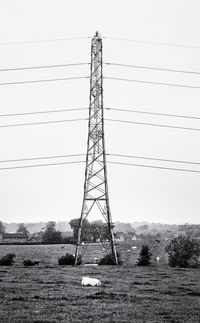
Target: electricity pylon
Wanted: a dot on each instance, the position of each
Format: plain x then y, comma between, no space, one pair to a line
96,186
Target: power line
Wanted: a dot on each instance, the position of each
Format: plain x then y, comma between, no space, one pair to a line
110,109
41,112
152,68
46,80
156,167
151,42
107,119
44,40
41,165
39,123
41,67
39,158
151,82
152,124
154,113
157,159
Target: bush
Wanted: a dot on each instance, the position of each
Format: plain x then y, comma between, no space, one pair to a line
144,257
110,260
69,240
7,260
184,252
29,262
69,260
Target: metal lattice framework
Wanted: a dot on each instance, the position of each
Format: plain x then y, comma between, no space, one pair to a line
95,187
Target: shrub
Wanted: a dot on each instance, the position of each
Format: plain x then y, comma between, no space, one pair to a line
69,260
69,240
144,257
110,260
184,252
29,262
7,260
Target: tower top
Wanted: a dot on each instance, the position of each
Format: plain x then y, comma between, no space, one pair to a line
97,35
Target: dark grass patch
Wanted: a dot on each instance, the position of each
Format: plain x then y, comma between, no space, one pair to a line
18,298
164,275
140,283
185,289
36,297
168,292
105,295
106,282
194,293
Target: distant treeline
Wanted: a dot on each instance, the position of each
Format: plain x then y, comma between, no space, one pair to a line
139,227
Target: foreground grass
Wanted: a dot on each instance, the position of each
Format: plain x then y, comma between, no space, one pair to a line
52,293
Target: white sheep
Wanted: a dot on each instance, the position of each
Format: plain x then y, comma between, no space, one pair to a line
87,281
157,259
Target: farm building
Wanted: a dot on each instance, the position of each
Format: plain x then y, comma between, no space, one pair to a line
13,238
130,236
119,236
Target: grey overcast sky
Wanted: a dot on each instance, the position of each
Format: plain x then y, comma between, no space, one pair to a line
136,193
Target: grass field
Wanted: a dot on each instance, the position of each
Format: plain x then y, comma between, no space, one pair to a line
52,293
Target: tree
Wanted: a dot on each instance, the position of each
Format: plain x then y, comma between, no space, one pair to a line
90,231
183,251
98,229
85,233
50,234
2,228
144,257
22,229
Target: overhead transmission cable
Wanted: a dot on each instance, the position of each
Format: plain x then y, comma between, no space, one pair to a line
46,80
42,165
106,119
156,167
41,112
42,122
155,158
106,108
152,82
152,68
152,124
151,42
153,113
115,155
110,162
41,67
44,40
40,158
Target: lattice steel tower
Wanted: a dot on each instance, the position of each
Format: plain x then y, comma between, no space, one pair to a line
95,187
